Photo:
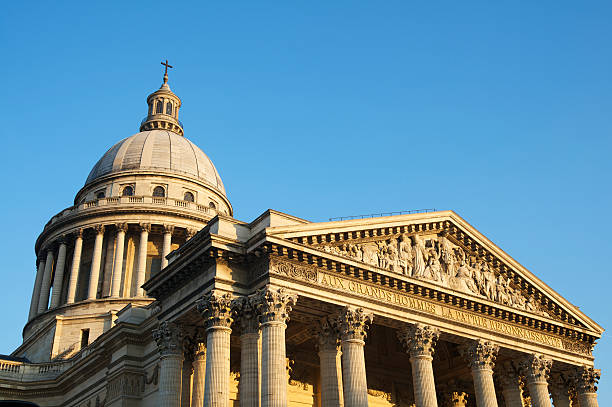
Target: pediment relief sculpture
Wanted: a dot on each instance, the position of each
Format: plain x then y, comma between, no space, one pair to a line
438,260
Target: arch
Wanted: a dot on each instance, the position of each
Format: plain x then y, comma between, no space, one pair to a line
188,197
128,191
169,108
159,191
160,106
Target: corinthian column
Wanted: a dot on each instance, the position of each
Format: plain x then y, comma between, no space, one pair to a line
536,369
585,380
58,280
273,306
74,269
45,286
511,388
118,266
353,325
199,372
559,390
330,365
217,313
246,314
170,344
96,260
420,341
37,283
481,356
167,245
141,272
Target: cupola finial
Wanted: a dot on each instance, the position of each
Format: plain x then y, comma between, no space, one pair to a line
164,108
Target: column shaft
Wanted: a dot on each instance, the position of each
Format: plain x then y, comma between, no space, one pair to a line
354,374
96,260
142,260
423,381
45,286
588,400
74,270
118,266
331,377
481,356
186,383
36,291
249,369
484,387
58,280
273,365
170,374
216,384
167,245
536,368
513,396
199,372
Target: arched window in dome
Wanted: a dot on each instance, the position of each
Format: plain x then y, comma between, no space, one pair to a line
159,192
100,195
150,109
160,106
128,191
169,109
212,206
188,197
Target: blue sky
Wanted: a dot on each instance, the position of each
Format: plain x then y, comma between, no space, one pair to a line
499,111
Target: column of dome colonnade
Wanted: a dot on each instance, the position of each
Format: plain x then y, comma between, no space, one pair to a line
53,270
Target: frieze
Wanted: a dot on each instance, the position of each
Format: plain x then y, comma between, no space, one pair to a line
407,301
438,260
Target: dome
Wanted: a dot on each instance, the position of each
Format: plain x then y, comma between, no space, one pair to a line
158,150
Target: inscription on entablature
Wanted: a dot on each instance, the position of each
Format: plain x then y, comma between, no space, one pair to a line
437,260
387,296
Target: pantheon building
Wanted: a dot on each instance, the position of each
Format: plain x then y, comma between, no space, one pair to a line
148,292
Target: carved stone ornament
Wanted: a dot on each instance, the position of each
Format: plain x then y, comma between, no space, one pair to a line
216,309
327,334
353,323
121,227
169,339
245,312
99,229
536,368
145,227
585,379
168,229
558,385
274,305
419,339
458,399
437,260
480,354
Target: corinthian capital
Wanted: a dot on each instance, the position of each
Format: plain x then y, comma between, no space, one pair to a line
536,368
169,339
274,305
121,227
558,386
507,374
327,334
216,309
353,323
245,312
145,227
585,379
480,354
419,339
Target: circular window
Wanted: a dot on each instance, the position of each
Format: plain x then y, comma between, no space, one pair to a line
128,191
188,197
159,192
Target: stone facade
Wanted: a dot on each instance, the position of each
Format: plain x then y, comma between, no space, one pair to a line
408,310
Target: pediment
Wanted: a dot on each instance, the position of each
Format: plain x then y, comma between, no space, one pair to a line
442,249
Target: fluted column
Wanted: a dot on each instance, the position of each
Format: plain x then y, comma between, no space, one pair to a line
76,265
420,341
559,390
509,378
481,356
58,280
536,369
96,260
273,306
353,326
118,264
170,344
40,272
246,314
199,372
585,380
141,272
186,380
216,311
330,365
167,245
45,286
